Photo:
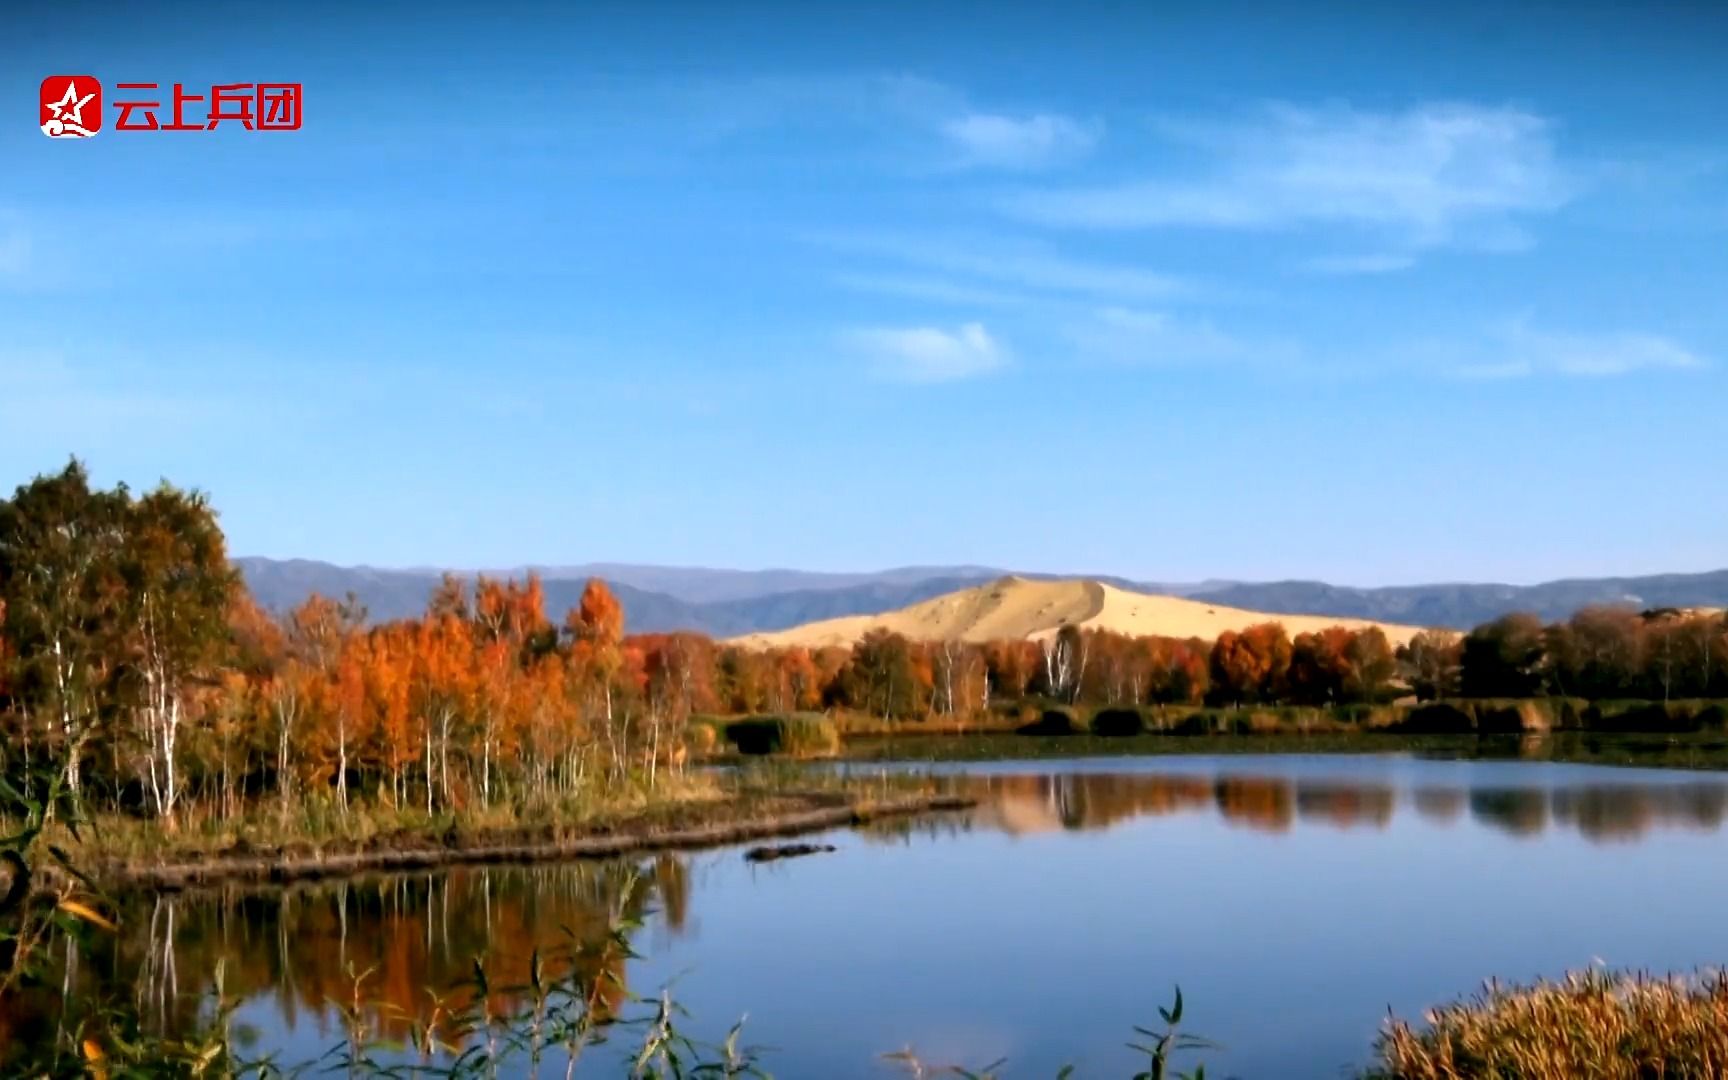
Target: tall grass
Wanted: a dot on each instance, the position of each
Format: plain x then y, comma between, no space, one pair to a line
1591,1025
797,734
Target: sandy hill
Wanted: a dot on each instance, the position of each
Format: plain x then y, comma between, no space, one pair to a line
1013,607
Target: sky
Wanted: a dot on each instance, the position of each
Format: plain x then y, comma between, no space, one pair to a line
1376,293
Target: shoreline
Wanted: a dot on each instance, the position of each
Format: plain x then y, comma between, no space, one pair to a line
626,836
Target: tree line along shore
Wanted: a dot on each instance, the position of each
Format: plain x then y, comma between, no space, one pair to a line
135,666
141,685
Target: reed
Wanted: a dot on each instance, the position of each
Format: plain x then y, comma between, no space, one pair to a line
1592,1024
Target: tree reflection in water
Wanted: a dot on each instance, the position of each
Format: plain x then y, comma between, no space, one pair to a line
1600,811
297,952
410,940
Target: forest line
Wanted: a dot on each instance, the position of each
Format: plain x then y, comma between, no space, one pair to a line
133,658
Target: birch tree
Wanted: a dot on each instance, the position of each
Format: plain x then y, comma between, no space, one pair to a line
174,566
60,546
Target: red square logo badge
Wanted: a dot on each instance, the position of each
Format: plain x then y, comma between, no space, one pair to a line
71,106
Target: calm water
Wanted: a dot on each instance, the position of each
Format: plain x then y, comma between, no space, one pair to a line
1294,898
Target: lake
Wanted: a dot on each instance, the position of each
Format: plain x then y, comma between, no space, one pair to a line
1294,897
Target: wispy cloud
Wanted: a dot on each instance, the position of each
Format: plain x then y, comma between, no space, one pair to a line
1433,175
1028,266
117,243
928,287
928,354
921,122
1359,264
1034,141
1508,350
44,396
1136,336
1518,351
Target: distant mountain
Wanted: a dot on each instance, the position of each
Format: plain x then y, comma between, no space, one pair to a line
744,602
280,585
1015,607
1462,606
701,585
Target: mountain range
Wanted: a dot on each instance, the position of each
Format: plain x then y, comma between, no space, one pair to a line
730,603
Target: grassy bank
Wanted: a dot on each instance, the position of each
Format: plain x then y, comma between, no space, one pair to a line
701,809
1453,716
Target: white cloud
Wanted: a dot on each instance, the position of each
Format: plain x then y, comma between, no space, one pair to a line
904,120
1518,351
1032,267
1028,142
1600,355
1431,175
1135,336
1512,350
928,287
1359,264
927,354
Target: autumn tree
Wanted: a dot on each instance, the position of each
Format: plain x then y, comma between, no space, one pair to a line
797,681
679,673
511,627
60,550
595,628
1009,665
323,631
1065,655
1430,664
880,678
1320,666
958,677
1504,658
1598,653
1250,666
1178,672
176,585
741,679
1369,665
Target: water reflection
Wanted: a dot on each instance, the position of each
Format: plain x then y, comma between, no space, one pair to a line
400,948
1304,828
1600,811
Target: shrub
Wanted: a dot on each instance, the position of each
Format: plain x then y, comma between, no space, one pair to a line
1440,718
1203,722
1713,716
1653,716
1120,720
1055,720
1168,717
1572,711
701,739
1372,716
1495,717
1256,721
797,734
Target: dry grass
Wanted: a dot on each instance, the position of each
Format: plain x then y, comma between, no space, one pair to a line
1590,1026
316,837
854,724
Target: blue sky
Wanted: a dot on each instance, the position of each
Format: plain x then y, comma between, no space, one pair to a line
1388,293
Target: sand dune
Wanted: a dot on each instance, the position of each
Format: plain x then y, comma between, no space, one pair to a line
1013,607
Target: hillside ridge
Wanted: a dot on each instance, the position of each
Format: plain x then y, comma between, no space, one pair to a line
1014,607
769,605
